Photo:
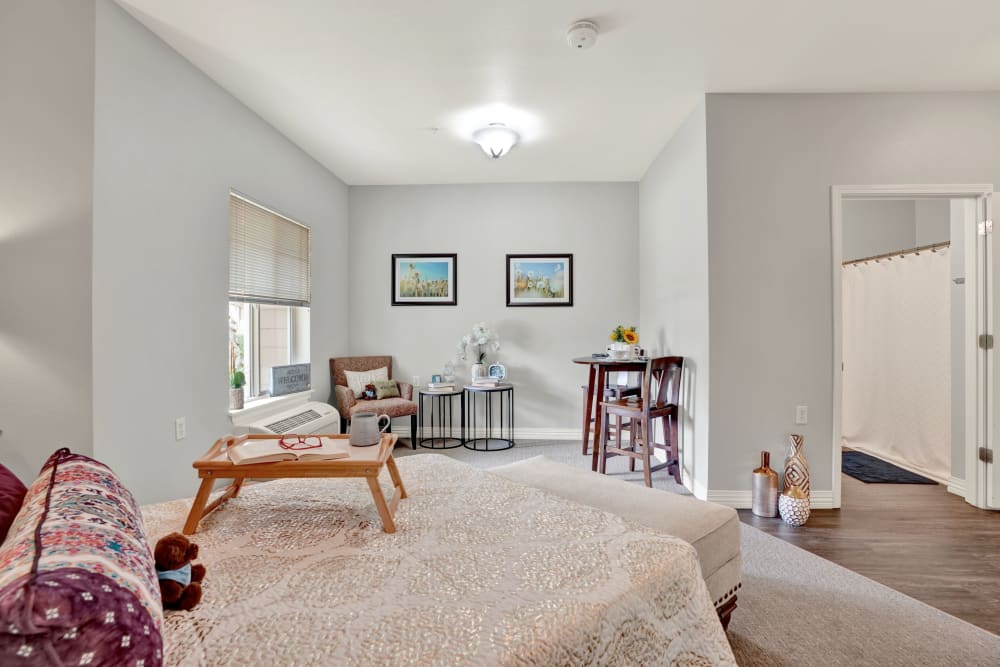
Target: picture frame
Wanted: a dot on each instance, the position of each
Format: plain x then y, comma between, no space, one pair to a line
540,280
424,279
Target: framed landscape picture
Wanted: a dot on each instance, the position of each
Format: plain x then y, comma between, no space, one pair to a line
424,280
540,280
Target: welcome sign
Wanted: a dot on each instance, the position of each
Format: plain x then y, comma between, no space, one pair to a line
290,379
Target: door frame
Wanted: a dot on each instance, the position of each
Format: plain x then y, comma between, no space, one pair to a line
975,381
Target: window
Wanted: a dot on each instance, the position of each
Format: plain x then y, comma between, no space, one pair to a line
269,292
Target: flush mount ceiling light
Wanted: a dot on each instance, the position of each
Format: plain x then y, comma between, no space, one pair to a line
496,139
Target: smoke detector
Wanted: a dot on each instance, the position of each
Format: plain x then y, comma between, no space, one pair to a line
582,35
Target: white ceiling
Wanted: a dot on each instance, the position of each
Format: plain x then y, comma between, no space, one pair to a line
361,84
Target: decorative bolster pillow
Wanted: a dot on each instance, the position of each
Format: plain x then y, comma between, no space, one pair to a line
77,580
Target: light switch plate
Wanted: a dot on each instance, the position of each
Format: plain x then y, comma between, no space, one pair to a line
801,414
180,428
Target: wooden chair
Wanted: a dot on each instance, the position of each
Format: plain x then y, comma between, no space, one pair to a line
661,386
620,389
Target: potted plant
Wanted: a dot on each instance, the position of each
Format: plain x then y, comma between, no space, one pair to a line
237,380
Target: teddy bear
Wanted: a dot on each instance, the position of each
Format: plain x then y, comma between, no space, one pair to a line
180,581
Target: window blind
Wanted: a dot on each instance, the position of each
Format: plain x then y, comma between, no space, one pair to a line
268,256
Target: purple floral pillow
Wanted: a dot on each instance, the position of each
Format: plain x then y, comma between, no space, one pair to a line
12,492
77,582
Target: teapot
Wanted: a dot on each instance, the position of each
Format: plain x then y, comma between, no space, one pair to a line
366,430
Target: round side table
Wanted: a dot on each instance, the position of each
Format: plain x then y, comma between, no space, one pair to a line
493,441
441,424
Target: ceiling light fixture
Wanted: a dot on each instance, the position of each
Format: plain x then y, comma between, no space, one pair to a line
496,139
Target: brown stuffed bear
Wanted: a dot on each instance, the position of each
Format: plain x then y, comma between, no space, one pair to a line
180,585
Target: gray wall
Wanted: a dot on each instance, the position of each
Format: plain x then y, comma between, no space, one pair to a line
932,218
596,222
169,145
771,162
46,151
673,277
876,226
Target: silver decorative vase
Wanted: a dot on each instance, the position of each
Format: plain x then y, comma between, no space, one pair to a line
796,466
765,488
793,504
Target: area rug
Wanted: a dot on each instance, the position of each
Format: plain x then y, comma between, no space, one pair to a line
871,470
796,608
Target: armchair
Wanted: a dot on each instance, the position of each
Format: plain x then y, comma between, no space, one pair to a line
348,405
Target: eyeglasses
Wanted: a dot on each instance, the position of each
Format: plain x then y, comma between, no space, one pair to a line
299,442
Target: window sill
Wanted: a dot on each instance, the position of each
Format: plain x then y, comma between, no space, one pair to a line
262,406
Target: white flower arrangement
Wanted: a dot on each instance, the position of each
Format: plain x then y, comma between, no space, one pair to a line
484,340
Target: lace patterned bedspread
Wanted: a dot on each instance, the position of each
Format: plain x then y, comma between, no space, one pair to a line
481,571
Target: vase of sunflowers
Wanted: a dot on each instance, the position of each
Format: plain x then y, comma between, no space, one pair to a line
624,341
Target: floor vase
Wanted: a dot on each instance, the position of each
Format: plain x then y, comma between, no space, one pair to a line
796,466
794,506
765,488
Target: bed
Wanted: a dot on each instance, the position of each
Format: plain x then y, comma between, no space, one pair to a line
482,571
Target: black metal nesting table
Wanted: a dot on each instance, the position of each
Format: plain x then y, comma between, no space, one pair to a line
442,429
492,442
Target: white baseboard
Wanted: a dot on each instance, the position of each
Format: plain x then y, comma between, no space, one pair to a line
737,499
956,486
818,500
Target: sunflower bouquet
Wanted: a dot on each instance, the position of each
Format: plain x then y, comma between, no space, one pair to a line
623,334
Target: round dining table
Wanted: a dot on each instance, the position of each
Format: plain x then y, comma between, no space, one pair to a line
596,383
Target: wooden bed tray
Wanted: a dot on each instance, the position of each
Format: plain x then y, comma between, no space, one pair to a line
364,462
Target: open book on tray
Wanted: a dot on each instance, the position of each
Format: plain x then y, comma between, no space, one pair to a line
272,451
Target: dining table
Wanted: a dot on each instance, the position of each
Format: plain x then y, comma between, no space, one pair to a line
596,384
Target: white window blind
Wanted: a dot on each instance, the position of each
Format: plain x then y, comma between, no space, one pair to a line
268,256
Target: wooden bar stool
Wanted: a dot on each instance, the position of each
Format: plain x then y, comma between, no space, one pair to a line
618,388
663,375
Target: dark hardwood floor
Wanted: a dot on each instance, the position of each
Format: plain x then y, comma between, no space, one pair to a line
919,540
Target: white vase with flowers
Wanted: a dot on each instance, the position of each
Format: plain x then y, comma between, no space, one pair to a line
478,343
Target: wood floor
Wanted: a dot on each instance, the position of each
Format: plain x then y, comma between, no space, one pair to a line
919,540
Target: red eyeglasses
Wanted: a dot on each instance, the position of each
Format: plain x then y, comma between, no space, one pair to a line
300,442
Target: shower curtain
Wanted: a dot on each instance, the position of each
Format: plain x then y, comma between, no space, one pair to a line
897,369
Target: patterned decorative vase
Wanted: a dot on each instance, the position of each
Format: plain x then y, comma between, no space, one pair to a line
793,504
796,466
765,488
478,371
236,399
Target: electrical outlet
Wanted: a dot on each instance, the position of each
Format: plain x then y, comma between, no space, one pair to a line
801,414
416,380
180,428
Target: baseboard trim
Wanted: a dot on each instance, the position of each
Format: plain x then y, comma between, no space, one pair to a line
956,486
737,499
818,500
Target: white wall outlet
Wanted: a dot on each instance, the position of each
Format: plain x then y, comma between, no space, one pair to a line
416,380
801,414
180,428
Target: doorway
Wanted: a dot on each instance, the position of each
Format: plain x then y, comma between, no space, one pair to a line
910,274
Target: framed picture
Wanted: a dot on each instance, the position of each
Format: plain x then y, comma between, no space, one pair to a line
540,280
424,280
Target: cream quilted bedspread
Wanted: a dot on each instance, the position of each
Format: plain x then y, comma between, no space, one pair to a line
482,571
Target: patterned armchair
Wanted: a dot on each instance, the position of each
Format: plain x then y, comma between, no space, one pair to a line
348,405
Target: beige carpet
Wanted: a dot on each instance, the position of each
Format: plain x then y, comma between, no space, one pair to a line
797,609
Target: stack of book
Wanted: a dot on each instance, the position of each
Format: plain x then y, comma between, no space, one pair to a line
440,387
485,382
